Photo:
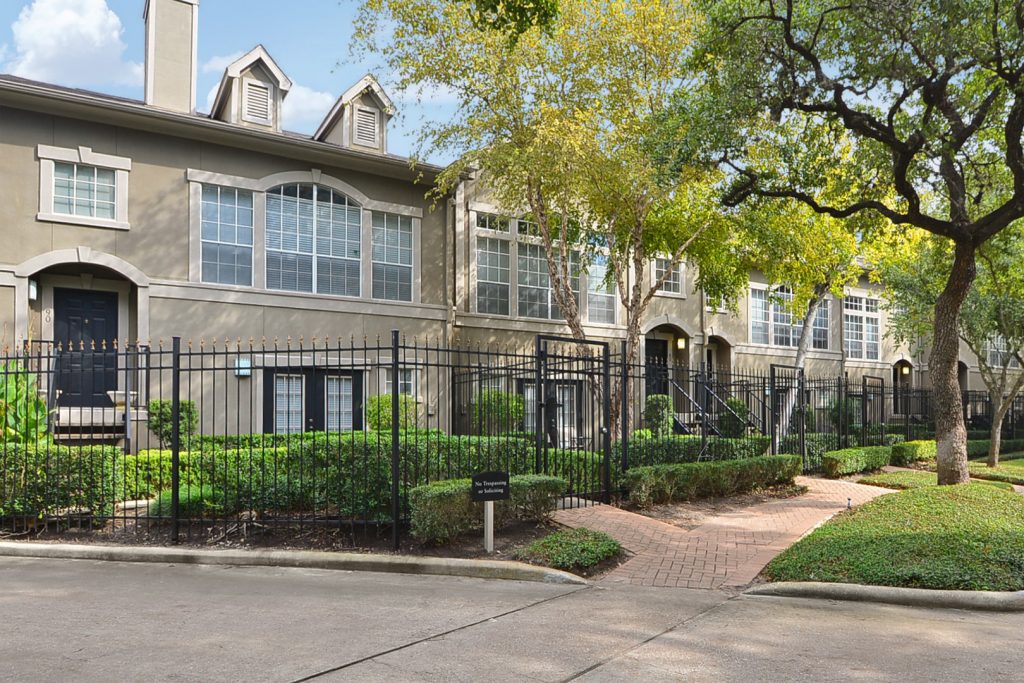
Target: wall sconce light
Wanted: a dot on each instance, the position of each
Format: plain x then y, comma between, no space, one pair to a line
33,290
680,343
905,370
243,367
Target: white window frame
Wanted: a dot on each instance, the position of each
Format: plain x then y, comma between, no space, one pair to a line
995,350
271,102
302,401
775,310
84,156
343,381
252,226
411,266
825,307
594,289
406,376
680,269
855,306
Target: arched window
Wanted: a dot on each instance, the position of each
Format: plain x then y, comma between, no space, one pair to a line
313,240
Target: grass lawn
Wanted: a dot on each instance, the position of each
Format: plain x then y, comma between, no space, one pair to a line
957,537
1008,470
914,480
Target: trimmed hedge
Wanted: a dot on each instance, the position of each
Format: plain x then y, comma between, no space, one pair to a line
686,481
682,449
44,478
443,510
852,460
912,451
979,447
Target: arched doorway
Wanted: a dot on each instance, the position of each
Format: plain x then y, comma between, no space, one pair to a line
666,357
903,383
718,355
963,376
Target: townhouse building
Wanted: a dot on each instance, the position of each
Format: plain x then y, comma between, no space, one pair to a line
126,222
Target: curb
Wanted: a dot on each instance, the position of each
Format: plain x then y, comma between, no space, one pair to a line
304,559
991,601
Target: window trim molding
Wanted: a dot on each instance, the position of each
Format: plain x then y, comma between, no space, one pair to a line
681,266
771,322
121,166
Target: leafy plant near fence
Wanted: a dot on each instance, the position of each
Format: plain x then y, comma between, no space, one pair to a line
40,479
658,411
378,412
497,412
687,448
666,483
912,451
443,510
23,413
162,425
733,422
852,460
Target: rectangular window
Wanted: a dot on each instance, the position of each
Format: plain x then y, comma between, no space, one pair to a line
819,332
674,282
536,297
491,221
392,257
600,294
80,190
759,317
782,320
227,236
999,354
338,404
493,271
288,403
861,328
406,382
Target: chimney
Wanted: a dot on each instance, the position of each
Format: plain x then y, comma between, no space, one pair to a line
171,31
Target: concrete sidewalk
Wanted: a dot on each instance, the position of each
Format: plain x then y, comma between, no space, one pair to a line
84,621
727,551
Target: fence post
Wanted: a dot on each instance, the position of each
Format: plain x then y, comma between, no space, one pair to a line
396,503
538,409
607,418
801,387
175,437
772,411
624,409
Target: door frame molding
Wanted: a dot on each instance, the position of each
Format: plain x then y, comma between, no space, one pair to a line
47,283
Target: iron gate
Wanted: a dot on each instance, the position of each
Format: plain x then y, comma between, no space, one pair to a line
570,414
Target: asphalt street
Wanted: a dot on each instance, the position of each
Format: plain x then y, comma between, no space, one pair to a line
78,620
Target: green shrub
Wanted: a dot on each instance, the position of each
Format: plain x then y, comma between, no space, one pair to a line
641,434
443,510
912,451
378,412
497,412
576,550
687,448
162,426
23,412
733,422
658,412
979,447
851,460
194,502
40,479
687,481
844,414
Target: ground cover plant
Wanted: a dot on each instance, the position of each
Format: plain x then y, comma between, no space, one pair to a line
575,550
1010,471
914,479
968,537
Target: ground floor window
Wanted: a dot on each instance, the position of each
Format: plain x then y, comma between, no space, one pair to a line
312,399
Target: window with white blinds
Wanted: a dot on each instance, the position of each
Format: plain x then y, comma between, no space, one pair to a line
367,126
80,190
600,293
392,257
288,403
227,235
256,105
313,240
338,402
862,328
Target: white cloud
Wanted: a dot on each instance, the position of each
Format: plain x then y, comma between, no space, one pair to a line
217,64
304,108
211,96
71,42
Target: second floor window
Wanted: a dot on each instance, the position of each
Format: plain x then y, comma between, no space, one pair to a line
493,276
227,236
392,257
600,295
999,355
536,296
313,240
861,327
80,190
674,281
772,323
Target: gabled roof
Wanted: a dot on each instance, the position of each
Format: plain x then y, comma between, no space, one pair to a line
366,83
256,55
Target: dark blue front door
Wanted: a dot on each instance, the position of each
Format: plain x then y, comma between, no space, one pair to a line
85,326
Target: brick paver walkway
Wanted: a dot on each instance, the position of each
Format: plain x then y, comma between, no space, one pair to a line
729,550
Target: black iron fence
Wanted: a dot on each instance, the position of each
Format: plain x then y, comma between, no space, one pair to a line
181,438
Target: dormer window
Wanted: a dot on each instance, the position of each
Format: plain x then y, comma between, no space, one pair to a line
367,127
257,104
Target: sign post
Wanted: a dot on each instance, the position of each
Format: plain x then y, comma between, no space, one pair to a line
487,488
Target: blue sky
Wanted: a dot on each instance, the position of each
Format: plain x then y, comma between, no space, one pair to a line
98,44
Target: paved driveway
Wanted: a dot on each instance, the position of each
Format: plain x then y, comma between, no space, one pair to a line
93,621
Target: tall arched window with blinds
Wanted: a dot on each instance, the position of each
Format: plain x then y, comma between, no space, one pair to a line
313,240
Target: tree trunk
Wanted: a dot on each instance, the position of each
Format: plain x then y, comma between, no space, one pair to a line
996,433
803,345
950,432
